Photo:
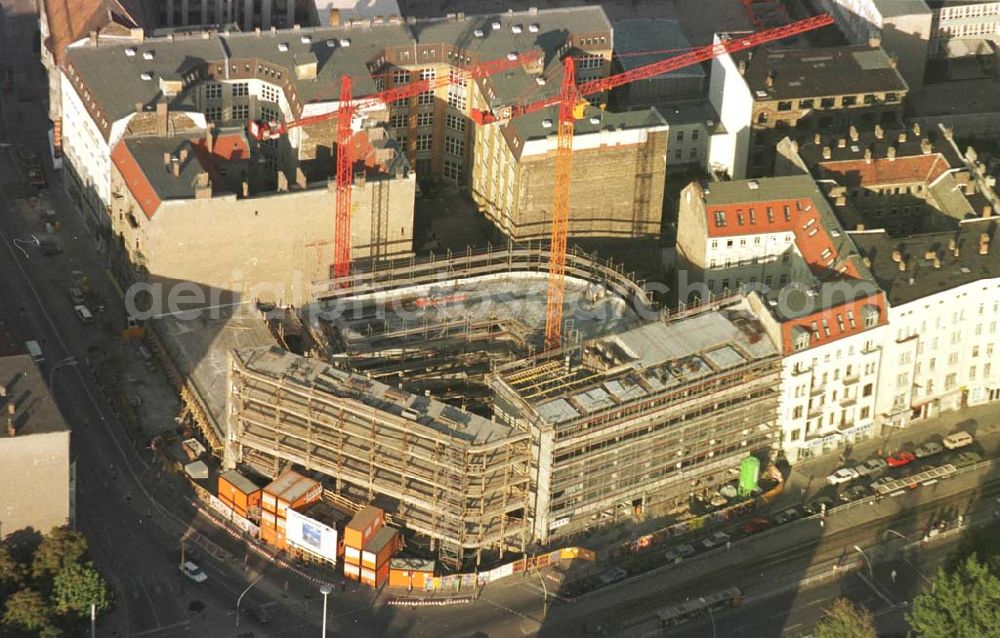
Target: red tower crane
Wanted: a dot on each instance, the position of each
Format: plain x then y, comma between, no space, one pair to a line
345,112
571,94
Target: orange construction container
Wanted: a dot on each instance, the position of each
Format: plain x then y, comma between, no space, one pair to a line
410,573
290,489
352,555
352,571
239,493
375,577
363,526
380,548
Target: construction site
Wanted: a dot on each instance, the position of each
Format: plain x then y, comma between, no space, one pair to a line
427,390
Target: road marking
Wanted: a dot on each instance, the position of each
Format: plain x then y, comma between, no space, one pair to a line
152,606
184,624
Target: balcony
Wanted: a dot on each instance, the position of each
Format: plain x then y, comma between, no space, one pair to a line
852,378
847,402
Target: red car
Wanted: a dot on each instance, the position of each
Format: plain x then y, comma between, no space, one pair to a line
756,525
899,459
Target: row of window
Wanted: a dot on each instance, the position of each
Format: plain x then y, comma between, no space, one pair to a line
268,93
845,101
720,216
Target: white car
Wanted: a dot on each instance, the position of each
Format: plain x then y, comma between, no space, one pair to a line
843,475
716,539
193,572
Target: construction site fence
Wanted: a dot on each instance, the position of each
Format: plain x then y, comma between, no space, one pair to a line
472,581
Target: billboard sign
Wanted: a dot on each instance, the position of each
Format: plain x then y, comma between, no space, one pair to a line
310,535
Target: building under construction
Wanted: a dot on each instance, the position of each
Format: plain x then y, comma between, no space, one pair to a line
427,394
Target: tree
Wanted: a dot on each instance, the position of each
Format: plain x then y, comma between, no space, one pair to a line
77,587
60,548
26,610
961,603
12,572
844,619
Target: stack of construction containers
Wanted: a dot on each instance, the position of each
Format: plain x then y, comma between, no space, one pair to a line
368,546
289,490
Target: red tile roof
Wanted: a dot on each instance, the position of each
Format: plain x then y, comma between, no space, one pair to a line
71,20
909,169
798,216
135,179
830,324
231,147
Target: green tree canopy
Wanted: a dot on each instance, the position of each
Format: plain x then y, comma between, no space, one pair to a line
962,603
12,572
26,609
60,548
844,619
78,586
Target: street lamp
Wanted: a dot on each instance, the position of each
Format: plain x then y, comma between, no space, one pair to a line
892,531
871,572
711,616
17,244
238,600
325,590
545,590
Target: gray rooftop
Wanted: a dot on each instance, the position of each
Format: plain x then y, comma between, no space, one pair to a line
35,411
968,266
636,37
112,74
818,72
532,125
895,8
430,413
148,153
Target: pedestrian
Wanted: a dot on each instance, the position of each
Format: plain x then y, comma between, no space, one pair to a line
893,576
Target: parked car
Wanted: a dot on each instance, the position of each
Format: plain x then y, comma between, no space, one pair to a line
83,314
76,296
613,576
965,458
193,572
843,475
872,467
787,516
957,440
899,459
716,539
853,493
815,506
930,448
685,550
758,524
49,245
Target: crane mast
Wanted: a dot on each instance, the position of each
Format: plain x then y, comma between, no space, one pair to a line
345,162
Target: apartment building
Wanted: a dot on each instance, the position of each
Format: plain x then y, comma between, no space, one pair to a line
962,20
943,299
35,467
904,180
780,239
902,27
765,95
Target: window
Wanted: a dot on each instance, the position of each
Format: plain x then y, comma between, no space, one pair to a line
867,390
680,136
849,100
424,142
213,91
693,154
807,104
953,358
902,379
783,280
400,76
428,74
679,153
397,121
795,435
269,93
785,105
425,119
241,89
213,113
457,78
452,170
457,97
454,146
427,97
865,411
266,114
797,412
589,62
827,102
694,134
972,373
950,381
891,97
454,122
720,219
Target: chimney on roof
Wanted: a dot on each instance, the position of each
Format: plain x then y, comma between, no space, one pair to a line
874,41
827,152
138,107
175,166
936,262
902,137
818,139
916,129
741,66
891,153
11,410
360,179
868,156
879,133
897,256
282,182
949,133
377,20
166,159
246,189
334,17
842,142
901,264
853,133
162,117
202,186
951,243
93,38
770,79
208,140
929,255
183,155
866,261
300,178
859,228
925,146
840,201
987,211
984,244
